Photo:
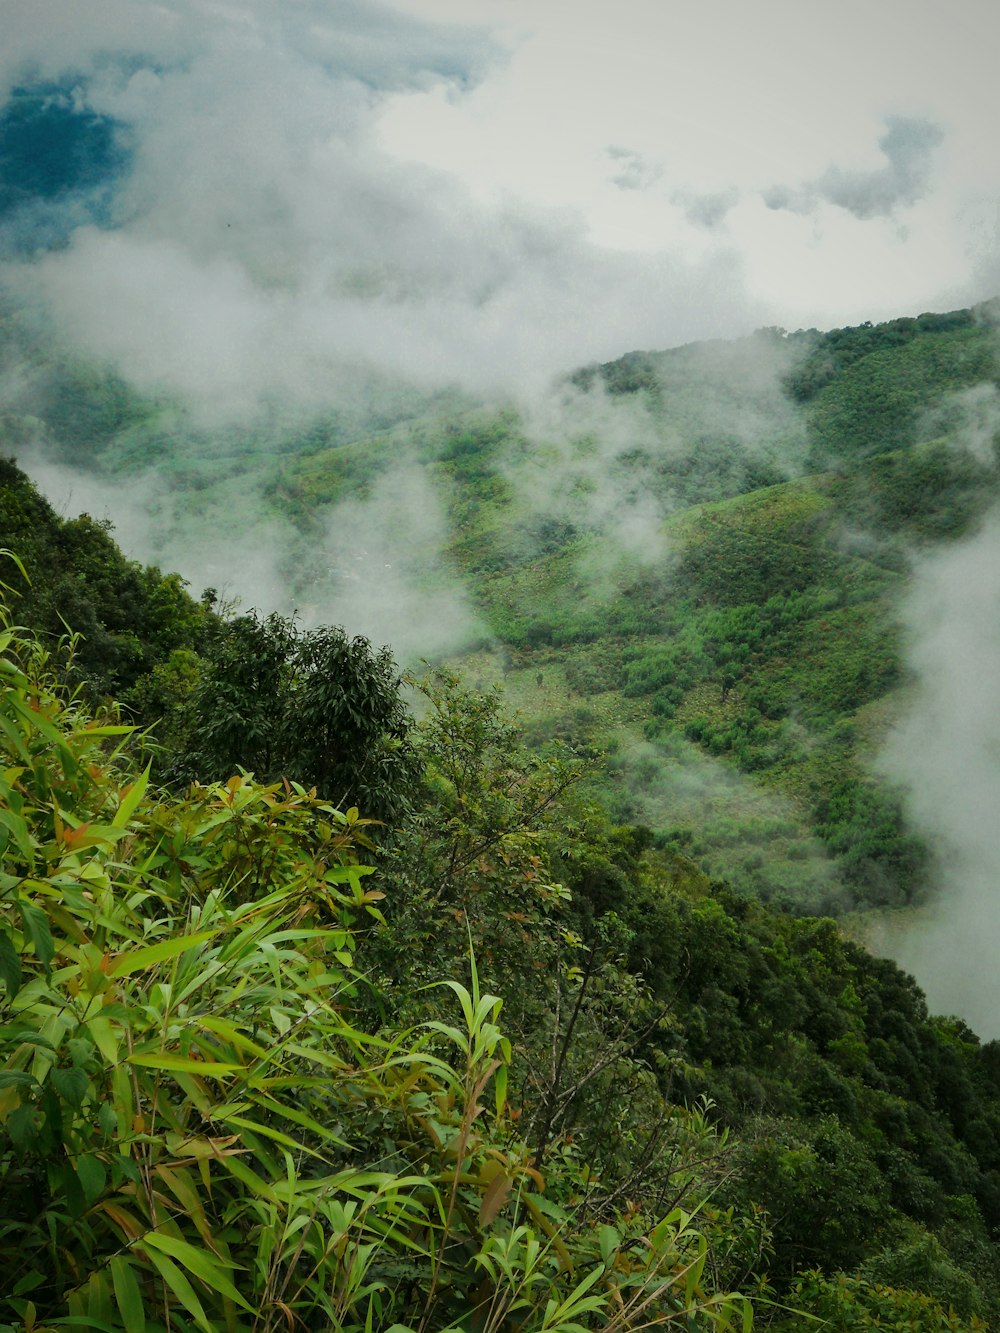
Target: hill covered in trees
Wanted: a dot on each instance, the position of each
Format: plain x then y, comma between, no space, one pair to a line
501,1059
690,561
692,1098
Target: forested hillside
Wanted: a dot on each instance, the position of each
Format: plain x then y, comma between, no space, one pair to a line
501,1059
691,561
337,997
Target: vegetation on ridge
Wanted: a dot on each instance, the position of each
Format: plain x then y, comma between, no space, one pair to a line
246,1078
254,1068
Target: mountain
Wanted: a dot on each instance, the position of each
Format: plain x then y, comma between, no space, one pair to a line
688,571
690,561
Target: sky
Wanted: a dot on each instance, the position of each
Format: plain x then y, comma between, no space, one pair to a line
488,192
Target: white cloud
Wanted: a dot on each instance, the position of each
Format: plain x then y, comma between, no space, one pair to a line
320,196
427,188
946,754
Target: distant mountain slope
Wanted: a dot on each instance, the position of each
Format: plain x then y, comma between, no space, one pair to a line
690,560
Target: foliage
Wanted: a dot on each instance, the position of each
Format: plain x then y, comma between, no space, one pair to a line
313,706
128,618
844,1304
196,1131
762,639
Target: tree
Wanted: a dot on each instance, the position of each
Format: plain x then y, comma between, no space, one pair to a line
312,706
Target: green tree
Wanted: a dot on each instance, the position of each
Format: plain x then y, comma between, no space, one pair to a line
313,706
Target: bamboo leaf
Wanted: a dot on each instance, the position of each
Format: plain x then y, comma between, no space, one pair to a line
182,1064
18,830
137,960
500,1088
15,740
130,800
179,1285
127,1294
232,1033
104,1037
197,1261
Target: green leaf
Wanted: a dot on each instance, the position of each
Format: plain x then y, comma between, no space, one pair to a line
500,1088
21,1127
99,1027
15,740
179,1285
71,1085
36,926
83,1321
92,1176
609,1240
29,1282
133,795
182,1064
128,1295
44,728
66,1187
137,960
12,1078
197,1261
10,965
107,1119
18,830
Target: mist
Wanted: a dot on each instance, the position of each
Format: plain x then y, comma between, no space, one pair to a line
262,245
251,258
947,756
945,753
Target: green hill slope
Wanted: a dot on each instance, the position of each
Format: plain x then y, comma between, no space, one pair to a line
690,561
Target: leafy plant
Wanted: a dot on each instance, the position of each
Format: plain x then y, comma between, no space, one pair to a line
196,1132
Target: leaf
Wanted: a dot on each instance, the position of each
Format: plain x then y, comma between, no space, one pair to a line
21,1127
500,1088
18,829
179,1285
82,1321
13,1078
92,1176
36,926
182,1064
254,1183
610,1241
137,960
131,798
10,965
40,724
71,1085
231,1033
494,1197
196,1261
15,740
103,1034
128,1295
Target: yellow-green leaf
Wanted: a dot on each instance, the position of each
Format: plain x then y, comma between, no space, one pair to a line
127,1294
182,1064
137,960
208,1267
133,795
